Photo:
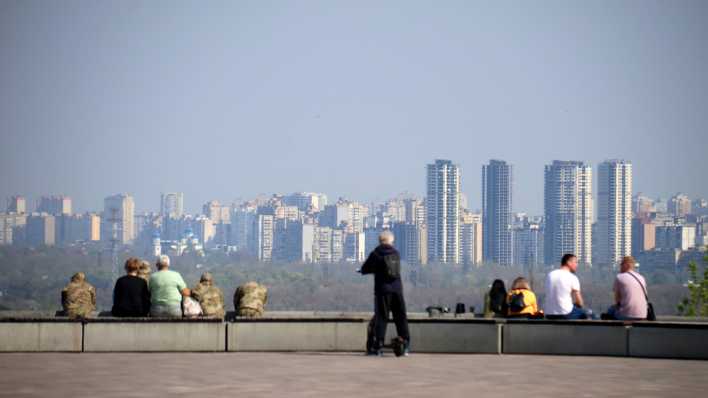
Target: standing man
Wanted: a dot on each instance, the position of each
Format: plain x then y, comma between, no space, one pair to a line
385,263
563,298
166,290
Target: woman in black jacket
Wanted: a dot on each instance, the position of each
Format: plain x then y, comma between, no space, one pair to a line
131,297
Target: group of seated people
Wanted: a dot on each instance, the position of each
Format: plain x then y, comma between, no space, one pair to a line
163,294
563,299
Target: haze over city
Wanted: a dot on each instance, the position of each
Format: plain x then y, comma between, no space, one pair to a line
242,98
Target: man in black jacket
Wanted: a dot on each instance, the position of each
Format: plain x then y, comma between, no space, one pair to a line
385,263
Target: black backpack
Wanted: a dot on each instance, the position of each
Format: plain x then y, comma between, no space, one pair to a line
516,303
393,266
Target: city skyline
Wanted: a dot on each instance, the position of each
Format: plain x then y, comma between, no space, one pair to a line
236,99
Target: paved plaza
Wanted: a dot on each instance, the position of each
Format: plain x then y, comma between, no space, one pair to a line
344,375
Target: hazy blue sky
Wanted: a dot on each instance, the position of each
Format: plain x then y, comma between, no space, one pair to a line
231,99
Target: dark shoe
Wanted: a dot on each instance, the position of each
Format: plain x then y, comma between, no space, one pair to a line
399,346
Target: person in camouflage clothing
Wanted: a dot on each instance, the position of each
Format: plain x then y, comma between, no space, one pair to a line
250,300
209,296
78,297
144,270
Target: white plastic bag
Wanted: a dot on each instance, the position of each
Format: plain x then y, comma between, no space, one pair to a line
191,308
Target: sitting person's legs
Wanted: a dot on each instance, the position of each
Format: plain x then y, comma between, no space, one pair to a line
166,311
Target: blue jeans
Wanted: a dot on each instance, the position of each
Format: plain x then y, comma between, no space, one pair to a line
575,313
612,312
166,311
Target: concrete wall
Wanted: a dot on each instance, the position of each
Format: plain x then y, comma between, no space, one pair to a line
40,336
325,333
578,338
297,336
154,336
670,341
452,337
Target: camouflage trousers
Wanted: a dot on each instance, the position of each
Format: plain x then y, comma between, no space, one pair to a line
249,312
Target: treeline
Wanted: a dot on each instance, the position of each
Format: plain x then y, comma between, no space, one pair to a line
33,278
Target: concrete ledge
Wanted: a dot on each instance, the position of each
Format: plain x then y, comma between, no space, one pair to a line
40,336
683,341
565,338
452,337
154,336
296,336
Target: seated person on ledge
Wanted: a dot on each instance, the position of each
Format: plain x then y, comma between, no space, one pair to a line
563,299
521,301
495,300
166,290
131,297
630,298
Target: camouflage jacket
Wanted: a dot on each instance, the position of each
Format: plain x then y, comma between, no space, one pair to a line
250,298
78,299
210,298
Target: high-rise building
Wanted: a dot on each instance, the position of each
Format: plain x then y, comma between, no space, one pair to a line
354,247
172,205
682,237
306,201
411,242
17,204
40,230
118,219
56,205
204,230
471,238
415,211
528,244
679,205
242,221
642,206
10,224
443,211
496,212
643,235
568,211
262,241
344,214
614,212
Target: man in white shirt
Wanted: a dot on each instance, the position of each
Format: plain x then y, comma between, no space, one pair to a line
563,299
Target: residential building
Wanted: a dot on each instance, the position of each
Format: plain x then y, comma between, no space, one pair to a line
614,205
497,182
17,204
528,244
679,205
40,230
262,238
172,205
118,219
443,211
55,205
10,225
568,211
643,235
471,238
411,242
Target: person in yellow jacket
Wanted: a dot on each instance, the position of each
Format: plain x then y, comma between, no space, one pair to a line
521,300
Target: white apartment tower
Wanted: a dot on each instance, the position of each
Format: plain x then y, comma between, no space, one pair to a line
614,211
443,212
568,211
119,217
172,204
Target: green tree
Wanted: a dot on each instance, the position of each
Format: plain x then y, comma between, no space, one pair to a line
696,304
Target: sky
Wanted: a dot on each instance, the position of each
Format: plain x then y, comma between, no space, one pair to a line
226,100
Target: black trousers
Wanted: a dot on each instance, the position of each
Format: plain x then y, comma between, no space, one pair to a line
395,304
